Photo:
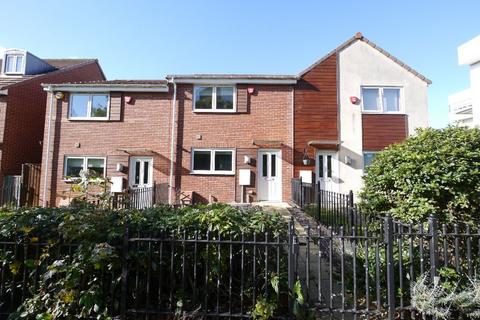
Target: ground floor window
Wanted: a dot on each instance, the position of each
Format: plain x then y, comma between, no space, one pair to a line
368,158
213,161
73,166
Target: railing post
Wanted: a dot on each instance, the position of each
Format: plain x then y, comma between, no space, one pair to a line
319,201
123,298
389,241
154,194
301,193
291,271
432,229
350,209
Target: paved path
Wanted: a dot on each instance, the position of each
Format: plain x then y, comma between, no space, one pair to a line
318,267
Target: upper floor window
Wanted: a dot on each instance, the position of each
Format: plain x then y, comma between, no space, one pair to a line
73,166
213,161
214,99
14,63
381,99
89,106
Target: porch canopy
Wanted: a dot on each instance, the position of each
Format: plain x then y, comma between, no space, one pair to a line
325,144
267,143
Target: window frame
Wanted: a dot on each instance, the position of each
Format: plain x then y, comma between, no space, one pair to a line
16,55
212,170
382,107
363,157
85,161
214,99
89,106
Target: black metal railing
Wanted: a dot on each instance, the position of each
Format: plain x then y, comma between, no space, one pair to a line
226,275
135,198
331,209
373,272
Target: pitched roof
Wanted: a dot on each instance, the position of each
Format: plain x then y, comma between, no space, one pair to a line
359,37
111,85
116,82
60,65
233,76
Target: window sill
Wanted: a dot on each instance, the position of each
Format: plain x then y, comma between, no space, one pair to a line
381,112
214,111
88,119
229,173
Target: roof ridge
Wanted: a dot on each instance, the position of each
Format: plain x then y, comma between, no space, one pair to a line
67,68
359,37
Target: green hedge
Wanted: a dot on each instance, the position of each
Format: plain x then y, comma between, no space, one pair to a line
84,281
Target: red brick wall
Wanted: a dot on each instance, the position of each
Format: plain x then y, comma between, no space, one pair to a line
25,114
268,117
144,130
146,124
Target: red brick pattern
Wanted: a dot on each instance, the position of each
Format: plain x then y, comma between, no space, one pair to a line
144,131
22,124
268,117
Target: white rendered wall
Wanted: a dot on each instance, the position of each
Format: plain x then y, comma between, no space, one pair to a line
361,65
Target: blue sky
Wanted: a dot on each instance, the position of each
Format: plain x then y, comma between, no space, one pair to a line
149,39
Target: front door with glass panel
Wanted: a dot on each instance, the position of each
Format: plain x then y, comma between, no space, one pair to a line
141,172
269,175
327,170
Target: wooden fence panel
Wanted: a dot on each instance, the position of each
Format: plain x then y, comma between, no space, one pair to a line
30,184
11,191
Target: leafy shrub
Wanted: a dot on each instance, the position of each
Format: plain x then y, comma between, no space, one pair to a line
436,172
80,262
444,301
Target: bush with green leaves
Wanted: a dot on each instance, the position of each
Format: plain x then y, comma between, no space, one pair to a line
79,261
447,298
436,172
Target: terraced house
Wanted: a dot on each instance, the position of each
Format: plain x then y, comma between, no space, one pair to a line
233,138
22,106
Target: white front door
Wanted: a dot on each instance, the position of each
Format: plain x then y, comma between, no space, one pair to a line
141,172
327,170
269,175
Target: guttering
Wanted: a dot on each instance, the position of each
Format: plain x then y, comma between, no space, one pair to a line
103,88
235,81
227,79
172,139
45,182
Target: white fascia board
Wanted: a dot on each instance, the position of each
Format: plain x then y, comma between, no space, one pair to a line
105,88
235,81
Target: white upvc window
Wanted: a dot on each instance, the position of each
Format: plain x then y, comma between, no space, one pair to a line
381,99
75,164
86,106
368,157
213,161
14,64
214,98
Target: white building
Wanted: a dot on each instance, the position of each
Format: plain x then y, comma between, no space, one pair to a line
464,106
